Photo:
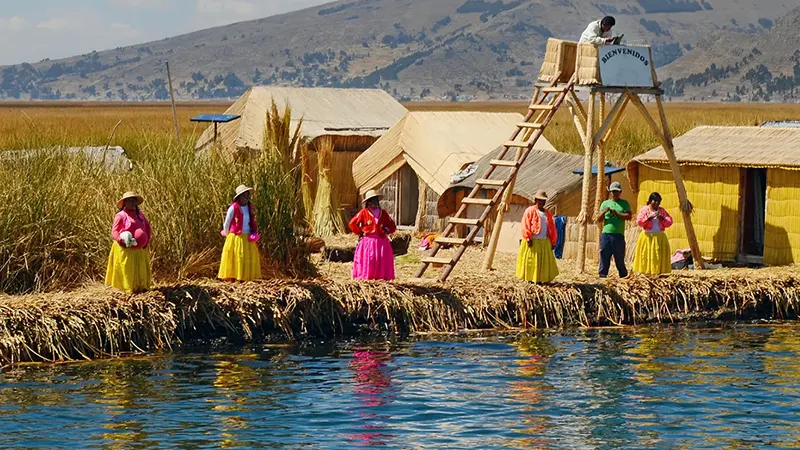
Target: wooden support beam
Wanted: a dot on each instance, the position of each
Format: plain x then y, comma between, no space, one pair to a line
608,121
600,181
578,105
617,120
577,120
583,217
686,206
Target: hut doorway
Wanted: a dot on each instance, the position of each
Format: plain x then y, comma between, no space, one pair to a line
753,217
407,196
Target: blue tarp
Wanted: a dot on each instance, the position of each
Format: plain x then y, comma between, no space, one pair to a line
561,227
216,118
610,170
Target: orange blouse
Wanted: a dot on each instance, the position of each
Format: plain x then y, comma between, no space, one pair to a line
532,224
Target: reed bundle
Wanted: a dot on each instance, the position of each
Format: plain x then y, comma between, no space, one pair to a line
99,322
328,219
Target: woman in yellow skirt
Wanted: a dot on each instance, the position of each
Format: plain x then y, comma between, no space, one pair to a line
241,260
129,261
536,261
652,248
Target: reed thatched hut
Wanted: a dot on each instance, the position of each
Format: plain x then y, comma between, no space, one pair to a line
744,183
413,163
560,174
349,120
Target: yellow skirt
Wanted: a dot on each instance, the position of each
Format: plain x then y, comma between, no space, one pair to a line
240,259
129,269
652,254
536,263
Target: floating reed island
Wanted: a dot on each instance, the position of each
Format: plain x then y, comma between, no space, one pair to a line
97,322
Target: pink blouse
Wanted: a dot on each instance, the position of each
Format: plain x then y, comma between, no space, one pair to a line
647,225
138,226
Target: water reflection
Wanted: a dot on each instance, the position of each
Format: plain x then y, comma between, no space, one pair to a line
373,388
653,387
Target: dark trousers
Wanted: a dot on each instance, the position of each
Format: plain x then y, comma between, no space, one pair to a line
612,245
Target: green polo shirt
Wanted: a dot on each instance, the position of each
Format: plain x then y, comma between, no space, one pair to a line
611,223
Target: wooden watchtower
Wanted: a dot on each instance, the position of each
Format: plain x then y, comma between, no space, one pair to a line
627,71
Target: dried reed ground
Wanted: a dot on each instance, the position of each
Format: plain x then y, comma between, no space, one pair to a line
98,322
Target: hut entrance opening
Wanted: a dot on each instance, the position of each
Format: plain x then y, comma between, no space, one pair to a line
754,195
407,193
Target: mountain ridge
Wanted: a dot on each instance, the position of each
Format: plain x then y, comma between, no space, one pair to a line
414,49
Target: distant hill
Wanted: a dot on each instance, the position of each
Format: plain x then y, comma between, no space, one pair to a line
732,67
414,49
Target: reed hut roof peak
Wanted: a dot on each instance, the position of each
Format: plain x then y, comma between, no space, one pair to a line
436,144
324,112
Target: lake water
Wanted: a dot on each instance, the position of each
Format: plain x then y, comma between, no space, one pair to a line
661,387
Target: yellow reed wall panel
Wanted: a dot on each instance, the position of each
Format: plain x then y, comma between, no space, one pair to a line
782,239
714,192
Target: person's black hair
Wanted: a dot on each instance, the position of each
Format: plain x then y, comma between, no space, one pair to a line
608,21
137,211
654,197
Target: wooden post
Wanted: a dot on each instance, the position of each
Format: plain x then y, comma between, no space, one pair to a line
422,210
584,216
508,194
686,206
576,119
600,181
175,111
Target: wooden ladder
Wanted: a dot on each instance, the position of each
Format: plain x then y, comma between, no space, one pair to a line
540,113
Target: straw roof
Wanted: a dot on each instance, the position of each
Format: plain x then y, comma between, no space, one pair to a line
324,111
733,146
543,169
436,145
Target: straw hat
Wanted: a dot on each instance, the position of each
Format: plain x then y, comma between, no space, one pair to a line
127,195
372,193
241,189
540,195
615,187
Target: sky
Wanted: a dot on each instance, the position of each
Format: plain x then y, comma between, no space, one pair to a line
32,30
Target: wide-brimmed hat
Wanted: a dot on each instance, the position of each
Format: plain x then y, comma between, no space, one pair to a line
541,194
372,193
615,187
127,195
241,189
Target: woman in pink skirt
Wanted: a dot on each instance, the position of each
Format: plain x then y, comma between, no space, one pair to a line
374,258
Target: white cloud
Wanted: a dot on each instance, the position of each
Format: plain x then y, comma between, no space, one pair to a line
225,6
15,23
141,4
53,24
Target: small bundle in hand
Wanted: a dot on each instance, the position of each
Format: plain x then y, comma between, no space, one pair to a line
127,239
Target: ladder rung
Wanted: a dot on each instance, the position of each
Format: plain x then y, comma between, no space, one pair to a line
503,162
517,144
452,241
476,201
462,221
488,182
541,107
534,125
433,260
552,89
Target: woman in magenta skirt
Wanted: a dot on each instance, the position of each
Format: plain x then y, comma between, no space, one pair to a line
374,258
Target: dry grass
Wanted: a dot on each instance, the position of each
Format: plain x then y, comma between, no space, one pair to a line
99,322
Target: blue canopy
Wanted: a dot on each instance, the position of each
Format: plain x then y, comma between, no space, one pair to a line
609,170
216,118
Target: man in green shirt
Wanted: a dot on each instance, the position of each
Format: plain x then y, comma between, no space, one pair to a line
613,213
